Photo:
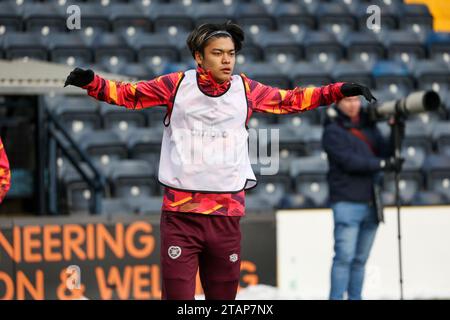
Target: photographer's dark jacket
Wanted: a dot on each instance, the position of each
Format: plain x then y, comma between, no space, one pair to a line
354,151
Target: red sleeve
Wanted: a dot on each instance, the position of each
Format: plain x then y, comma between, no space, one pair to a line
145,94
268,99
5,174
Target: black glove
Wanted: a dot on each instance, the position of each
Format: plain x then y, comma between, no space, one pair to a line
354,89
79,77
392,164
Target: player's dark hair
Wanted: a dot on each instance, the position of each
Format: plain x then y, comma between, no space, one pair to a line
200,36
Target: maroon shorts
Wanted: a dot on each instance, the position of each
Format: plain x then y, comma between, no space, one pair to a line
210,244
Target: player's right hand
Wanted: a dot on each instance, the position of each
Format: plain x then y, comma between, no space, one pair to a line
79,77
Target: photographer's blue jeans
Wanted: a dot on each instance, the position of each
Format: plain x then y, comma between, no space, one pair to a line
355,226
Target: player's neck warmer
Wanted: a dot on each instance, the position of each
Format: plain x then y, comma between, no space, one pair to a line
205,145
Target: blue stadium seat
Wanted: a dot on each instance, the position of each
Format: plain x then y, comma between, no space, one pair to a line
128,18
363,47
352,72
403,46
266,73
104,146
280,47
115,206
392,76
79,114
250,52
120,118
95,18
292,17
410,182
20,45
145,144
212,12
428,198
69,48
310,179
10,17
111,50
168,17
335,17
153,50
44,17
438,44
322,47
132,179
305,74
437,169
138,71
417,18
441,136
253,17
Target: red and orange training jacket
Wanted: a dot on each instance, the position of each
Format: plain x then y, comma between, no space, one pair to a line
5,174
261,98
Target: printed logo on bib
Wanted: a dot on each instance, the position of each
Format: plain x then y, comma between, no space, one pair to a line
174,252
234,257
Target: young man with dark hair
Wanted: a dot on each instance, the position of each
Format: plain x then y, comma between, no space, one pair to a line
204,199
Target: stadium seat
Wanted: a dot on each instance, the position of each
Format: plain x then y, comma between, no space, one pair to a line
44,17
171,18
104,146
250,52
266,73
10,17
69,48
110,48
120,118
128,18
322,47
212,12
27,44
363,47
313,140
253,17
416,18
306,74
280,47
392,76
437,169
309,174
153,50
79,114
352,72
403,46
145,144
438,44
138,71
292,17
335,17
410,182
441,135
95,18
132,179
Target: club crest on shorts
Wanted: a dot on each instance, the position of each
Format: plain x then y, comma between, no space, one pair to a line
174,252
234,257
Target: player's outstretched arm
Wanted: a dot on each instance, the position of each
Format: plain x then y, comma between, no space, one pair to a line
144,94
263,98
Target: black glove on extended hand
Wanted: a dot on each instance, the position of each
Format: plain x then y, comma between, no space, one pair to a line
392,164
354,89
79,77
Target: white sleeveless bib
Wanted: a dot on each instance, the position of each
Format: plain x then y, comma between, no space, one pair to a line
205,146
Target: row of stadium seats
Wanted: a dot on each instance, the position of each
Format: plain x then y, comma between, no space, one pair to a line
149,15
304,185
280,47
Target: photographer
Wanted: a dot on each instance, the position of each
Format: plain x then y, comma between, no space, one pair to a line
356,153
